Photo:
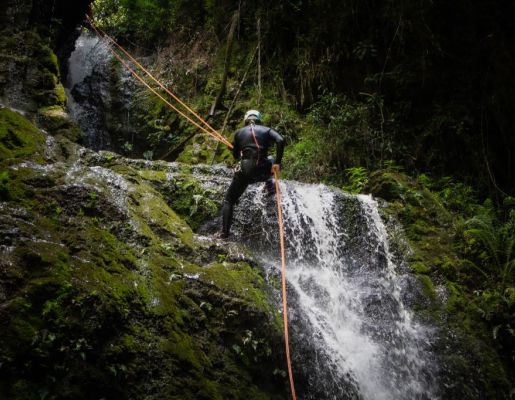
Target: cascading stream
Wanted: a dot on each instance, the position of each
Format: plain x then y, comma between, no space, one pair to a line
353,333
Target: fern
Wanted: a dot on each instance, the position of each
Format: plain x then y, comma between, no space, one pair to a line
497,241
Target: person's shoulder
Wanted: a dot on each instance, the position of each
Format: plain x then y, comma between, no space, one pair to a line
264,128
270,130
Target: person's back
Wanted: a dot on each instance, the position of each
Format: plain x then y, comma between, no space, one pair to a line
251,145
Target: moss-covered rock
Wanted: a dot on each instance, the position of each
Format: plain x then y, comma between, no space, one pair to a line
56,120
30,75
185,195
474,369
19,138
106,292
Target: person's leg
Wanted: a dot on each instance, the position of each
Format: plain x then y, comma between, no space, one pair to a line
266,176
270,186
227,211
236,189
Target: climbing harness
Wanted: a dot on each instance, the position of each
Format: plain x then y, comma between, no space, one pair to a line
208,129
258,147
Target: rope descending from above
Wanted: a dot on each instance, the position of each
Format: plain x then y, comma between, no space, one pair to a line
206,128
209,130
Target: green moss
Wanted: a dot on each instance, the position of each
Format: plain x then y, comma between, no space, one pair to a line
240,279
47,58
200,151
15,186
53,118
156,219
31,62
182,347
420,268
19,138
429,289
185,195
191,201
152,175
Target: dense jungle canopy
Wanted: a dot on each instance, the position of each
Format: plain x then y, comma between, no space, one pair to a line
425,84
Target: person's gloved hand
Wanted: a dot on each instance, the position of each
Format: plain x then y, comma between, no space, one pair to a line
276,168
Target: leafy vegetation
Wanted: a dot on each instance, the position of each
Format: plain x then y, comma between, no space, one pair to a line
466,249
383,98
411,101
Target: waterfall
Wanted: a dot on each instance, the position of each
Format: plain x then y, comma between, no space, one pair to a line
100,95
87,67
353,332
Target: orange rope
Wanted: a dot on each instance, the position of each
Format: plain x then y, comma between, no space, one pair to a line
214,133
283,275
138,64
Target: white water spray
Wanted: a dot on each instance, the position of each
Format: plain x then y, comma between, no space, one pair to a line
346,292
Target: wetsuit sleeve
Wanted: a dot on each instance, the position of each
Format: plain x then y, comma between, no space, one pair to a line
279,142
236,151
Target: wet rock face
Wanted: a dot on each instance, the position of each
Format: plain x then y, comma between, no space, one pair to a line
68,13
32,31
25,14
113,109
101,98
105,291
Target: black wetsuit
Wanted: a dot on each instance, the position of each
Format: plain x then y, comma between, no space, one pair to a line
251,144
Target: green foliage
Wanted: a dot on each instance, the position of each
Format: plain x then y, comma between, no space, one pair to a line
357,179
342,134
456,196
146,22
492,244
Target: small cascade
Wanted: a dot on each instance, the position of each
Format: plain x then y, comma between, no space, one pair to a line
100,96
354,335
89,59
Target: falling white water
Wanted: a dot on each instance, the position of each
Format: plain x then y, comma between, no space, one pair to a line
88,53
346,293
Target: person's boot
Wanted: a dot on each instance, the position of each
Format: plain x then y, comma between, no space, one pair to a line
227,211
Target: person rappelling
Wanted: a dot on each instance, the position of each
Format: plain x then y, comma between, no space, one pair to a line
251,144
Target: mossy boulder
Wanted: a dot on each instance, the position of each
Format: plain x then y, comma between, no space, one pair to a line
19,138
105,291
185,195
56,120
474,369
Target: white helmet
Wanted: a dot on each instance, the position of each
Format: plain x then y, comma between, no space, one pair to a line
252,114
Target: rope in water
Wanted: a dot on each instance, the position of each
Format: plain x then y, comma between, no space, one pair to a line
212,132
283,280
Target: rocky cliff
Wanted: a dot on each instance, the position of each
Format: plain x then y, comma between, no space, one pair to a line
105,291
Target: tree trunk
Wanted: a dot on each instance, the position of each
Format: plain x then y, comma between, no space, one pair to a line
230,39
